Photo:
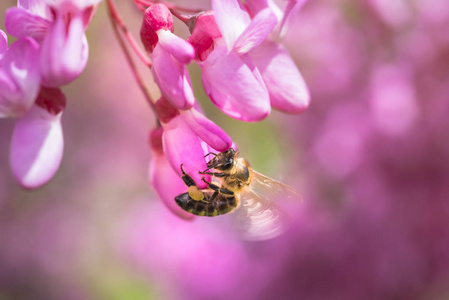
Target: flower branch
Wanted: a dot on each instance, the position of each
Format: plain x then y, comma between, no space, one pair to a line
118,23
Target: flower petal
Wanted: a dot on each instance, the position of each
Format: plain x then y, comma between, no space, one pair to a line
208,131
71,4
172,78
3,43
182,146
260,27
156,17
231,18
255,6
35,7
176,46
287,88
19,77
235,86
203,35
21,23
168,184
64,51
36,147
291,10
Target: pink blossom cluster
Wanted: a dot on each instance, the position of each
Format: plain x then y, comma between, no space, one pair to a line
245,72
51,51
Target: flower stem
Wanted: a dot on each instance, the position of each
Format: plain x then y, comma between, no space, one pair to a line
184,18
117,20
116,24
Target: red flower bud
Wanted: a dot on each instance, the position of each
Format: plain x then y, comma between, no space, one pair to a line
157,17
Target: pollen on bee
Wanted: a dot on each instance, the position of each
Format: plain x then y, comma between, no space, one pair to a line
195,193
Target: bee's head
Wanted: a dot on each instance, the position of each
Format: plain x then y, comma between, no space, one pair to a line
223,161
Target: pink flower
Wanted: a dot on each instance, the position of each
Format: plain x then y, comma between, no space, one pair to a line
229,76
19,76
187,137
286,86
204,33
284,17
167,183
51,51
36,146
37,141
169,55
59,27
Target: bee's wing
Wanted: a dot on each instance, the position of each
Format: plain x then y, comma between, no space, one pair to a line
260,217
273,189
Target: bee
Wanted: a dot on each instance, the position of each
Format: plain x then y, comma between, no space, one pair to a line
250,195
211,202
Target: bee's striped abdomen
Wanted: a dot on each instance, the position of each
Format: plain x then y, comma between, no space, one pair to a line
219,206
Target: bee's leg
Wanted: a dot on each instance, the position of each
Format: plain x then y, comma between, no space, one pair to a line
223,191
206,170
194,192
215,174
214,195
187,179
210,153
212,166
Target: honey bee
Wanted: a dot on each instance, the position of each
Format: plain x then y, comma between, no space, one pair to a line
211,202
249,194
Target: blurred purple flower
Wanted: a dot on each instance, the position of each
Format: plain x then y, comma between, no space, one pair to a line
393,101
59,28
19,75
169,55
339,146
42,245
206,263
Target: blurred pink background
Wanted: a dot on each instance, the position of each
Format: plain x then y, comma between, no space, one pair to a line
370,157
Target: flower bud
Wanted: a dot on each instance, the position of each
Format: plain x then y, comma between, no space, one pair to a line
204,30
157,17
51,99
165,111
156,140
